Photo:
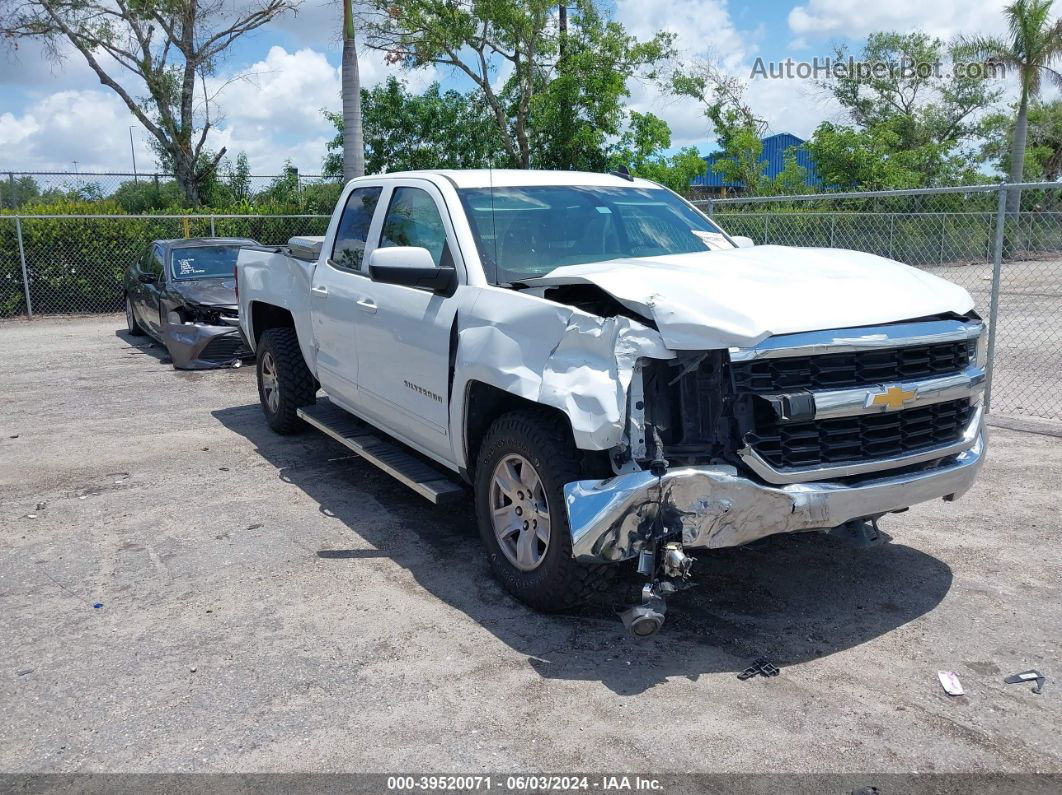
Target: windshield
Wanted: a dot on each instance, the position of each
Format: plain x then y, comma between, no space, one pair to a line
203,262
528,231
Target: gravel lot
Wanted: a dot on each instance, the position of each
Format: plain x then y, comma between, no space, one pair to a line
272,604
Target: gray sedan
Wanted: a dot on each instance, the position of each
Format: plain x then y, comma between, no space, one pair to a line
183,294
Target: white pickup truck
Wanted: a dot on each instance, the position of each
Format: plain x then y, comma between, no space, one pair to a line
614,376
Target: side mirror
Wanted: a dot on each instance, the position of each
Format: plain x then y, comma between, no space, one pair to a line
411,266
148,278
742,241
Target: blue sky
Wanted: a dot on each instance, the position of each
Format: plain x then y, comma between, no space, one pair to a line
54,113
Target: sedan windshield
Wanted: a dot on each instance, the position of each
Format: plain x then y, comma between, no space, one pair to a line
525,232
203,262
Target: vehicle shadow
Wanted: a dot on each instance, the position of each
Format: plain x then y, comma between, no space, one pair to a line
789,598
143,346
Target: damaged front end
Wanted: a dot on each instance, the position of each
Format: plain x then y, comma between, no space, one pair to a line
203,337
802,432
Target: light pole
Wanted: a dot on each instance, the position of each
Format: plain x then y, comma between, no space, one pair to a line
132,151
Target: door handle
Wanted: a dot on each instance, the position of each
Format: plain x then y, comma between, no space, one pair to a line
321,292
367,305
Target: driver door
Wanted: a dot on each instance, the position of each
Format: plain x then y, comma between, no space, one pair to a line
402,332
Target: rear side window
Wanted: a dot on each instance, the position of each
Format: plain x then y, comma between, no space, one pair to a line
413,220
349,248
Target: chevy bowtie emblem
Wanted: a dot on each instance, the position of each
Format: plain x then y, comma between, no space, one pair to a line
892,398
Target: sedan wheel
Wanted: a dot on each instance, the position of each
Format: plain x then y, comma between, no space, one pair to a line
520,512
130,319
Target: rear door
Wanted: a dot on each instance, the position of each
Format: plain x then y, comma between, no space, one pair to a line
337,286
403,333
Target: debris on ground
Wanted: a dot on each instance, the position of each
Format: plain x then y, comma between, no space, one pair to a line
950,682
98,605
24,671
41,506
761,666
31,516
1028,676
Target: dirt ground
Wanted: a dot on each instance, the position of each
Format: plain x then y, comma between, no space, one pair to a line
182,590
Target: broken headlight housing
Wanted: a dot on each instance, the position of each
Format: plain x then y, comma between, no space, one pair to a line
192,313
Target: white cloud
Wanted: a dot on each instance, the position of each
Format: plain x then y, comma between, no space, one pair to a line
823,19
89,126
270,109
702,30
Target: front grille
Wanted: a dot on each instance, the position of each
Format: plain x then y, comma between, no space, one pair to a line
867,437
843,370
225,348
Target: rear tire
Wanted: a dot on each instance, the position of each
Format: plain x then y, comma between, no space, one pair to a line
130,319
284,382
530,456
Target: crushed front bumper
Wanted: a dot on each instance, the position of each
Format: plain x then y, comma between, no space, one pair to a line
714,506
198,346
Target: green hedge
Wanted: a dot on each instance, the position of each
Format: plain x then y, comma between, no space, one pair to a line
76,264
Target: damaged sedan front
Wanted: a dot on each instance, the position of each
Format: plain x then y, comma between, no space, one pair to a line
182,293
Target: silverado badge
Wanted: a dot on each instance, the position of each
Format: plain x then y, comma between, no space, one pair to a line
893,398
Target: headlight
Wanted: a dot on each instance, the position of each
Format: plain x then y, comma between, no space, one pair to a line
980,352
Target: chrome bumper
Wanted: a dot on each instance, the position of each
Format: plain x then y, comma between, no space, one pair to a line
715,507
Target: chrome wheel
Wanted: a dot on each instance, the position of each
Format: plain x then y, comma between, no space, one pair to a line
270,386
520,512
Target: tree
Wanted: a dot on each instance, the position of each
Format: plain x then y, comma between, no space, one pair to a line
921,96
240,178
1033,46
161,46
737,129
16,192
405,131
577,106
478,37
641,148
915,119
353,143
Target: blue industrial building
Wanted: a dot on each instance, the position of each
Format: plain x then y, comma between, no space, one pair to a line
773,158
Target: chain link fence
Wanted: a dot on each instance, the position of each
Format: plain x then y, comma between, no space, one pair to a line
68,264
1010,262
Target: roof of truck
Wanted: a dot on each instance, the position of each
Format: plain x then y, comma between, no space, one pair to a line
514,177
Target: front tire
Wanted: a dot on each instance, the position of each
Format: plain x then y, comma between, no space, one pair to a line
284,382
130,319
522,466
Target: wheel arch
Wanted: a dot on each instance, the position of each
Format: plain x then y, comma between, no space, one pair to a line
484,404
266,316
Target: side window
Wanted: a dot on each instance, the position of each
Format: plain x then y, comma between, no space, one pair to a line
144,263
155,262
349,248
413,220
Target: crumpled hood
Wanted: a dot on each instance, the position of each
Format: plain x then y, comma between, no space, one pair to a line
738,297
207,292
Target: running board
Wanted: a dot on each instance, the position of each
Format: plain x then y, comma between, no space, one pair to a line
360,437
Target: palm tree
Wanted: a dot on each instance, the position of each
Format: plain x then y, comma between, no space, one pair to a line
1033,45
353,142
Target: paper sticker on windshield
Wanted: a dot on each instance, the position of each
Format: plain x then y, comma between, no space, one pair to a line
713,240
185,267
605,210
